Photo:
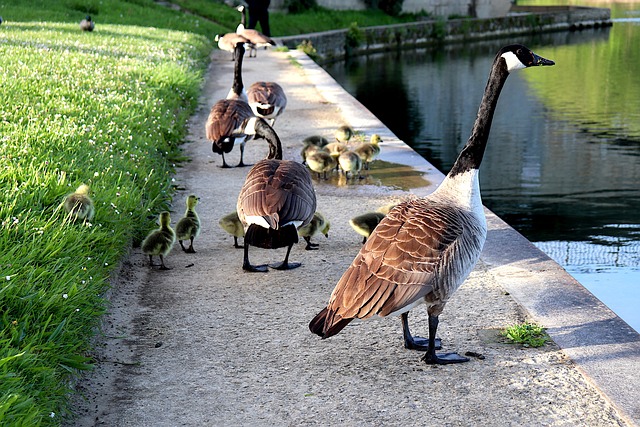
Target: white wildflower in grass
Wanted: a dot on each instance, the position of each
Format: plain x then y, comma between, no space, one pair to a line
65,296
8,277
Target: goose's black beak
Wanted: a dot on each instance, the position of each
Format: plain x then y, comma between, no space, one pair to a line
539,60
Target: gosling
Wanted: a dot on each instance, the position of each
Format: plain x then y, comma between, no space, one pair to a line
79,205
350,163
344,133
318,224
368,151
232,225
365,224
188,228
321,162
159,242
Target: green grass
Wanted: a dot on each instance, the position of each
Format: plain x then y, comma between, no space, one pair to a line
526,334
108,109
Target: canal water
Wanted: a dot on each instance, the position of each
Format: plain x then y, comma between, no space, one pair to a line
563,161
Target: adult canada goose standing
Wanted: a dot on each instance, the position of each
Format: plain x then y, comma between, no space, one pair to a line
87,24
79,205
368,151
160,241
256,38
276,199
318,224
237,90
267,100
188,227
229,41
422,251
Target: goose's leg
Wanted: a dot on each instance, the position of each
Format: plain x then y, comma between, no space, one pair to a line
286,265
430,357
415,343
224,163
246,265
242,163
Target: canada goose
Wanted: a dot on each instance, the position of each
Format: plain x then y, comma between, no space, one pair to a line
87,24
350,163
79,205
231,224
318,224
237,87
369,150
226,127
344,133
365,224
160,241
320,161
267,100
424,249
256,38
229,41
188,227
277,197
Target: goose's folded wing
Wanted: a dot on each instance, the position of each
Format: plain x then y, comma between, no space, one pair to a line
399,264
225,117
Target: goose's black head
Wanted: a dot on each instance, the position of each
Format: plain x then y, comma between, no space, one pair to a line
517,57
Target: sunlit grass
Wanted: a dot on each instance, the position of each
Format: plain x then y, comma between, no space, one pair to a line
107,109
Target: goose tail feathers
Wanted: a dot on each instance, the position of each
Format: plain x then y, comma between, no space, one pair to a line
319,324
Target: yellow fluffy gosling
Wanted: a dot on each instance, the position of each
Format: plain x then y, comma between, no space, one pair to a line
79,205
365,224
160,241
231,224
318,224
188,228
350,163
369,150
321,162
344,133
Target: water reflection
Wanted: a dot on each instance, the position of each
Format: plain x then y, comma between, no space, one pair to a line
562,164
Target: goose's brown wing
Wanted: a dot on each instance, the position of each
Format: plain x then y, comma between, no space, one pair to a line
404,260
281,191
267,93
226,116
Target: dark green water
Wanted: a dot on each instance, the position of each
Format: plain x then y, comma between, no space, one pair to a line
563,161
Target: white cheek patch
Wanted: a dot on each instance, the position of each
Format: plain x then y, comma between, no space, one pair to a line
513,63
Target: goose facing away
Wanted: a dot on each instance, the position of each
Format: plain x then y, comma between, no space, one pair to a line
320,162
87,24
350,163
255,37
159,242
231,224
267,100
227,126
365,224
423,250
276,199
344,133
229,41
318,224
188,227
79,205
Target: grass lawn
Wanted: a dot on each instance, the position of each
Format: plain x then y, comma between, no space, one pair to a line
108,109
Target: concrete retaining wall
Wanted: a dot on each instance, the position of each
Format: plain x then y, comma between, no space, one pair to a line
332,45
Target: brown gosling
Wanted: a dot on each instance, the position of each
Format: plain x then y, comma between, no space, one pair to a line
350,163
317,140
321,162
318,224
231,224
344,133
365,224
79,205
159,242
188,227
368,151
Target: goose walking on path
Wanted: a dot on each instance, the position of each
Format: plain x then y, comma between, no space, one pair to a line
229,41
267,100
276,199
423,250
255,37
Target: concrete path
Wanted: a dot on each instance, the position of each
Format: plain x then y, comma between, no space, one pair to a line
206,344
